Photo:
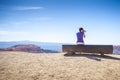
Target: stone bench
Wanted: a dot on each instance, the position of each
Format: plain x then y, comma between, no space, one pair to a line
101,49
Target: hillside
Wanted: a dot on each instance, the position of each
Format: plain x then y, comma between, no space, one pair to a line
28,48
43,45
24,47
24,66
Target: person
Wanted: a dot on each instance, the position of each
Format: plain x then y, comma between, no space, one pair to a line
80,35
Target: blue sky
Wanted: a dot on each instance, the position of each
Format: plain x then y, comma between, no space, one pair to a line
59,20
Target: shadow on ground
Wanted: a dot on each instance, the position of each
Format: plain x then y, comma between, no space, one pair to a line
96,57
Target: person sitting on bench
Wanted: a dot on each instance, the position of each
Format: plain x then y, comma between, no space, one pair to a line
80,35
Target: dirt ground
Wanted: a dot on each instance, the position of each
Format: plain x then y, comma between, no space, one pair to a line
34,66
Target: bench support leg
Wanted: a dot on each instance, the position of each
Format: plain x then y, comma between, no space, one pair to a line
101,54
71,53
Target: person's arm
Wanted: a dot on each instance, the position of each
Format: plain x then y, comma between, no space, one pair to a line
84,35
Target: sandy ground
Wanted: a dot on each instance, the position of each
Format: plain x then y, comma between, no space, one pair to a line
32,66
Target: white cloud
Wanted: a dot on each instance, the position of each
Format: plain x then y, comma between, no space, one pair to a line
41,18
6,33
3,32
13,35
19,22
22,8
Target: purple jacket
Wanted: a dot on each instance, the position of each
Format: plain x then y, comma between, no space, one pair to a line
80,36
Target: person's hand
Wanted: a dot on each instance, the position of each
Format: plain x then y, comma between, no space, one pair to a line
84,30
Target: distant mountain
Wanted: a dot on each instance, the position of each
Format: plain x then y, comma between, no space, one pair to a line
28,48
24,47
44,45
116,49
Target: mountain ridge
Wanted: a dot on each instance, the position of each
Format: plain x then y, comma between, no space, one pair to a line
24,48
45,45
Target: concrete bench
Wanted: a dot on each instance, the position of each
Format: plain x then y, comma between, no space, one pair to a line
101,49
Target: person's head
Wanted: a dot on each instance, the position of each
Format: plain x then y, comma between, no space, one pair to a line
81,29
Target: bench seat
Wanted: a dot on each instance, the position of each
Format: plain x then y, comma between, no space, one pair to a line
102,49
